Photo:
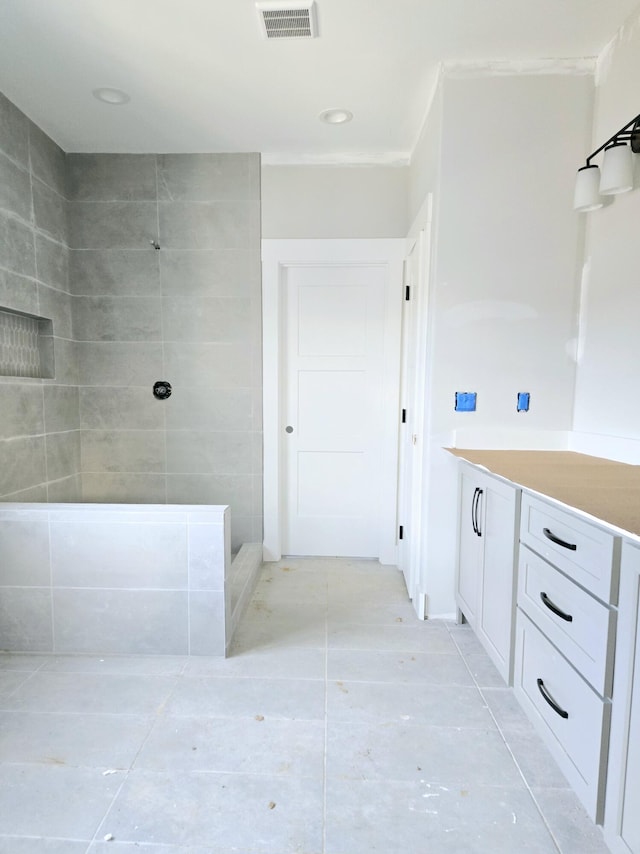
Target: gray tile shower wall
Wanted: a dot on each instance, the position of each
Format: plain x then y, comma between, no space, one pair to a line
188,313
39,419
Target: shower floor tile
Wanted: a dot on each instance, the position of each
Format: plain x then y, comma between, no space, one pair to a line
339,725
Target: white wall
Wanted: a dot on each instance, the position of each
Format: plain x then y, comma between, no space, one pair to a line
424,170
607,405
334,201
504,299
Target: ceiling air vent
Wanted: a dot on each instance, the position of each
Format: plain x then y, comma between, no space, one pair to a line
287,20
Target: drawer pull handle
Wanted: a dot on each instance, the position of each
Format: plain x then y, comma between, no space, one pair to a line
473,510
546,601
477,507
547,696
551,536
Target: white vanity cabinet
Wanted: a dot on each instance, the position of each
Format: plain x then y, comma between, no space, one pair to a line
565,632
487,538
622,813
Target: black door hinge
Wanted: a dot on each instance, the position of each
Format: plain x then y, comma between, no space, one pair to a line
407,293
401,532
404,416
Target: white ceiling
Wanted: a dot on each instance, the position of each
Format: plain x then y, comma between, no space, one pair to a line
202,78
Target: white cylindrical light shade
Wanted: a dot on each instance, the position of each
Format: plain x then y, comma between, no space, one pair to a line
587,194
617,170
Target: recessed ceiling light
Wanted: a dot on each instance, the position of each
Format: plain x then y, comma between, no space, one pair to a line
111,96
335,117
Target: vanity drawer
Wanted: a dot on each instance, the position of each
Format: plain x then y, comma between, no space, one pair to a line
567,713
581,627
580,549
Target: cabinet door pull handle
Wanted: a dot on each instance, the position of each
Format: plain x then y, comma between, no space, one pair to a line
473,510
550,605
551,536
547,696
478,531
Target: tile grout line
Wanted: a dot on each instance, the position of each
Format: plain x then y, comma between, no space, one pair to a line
508,747
326,715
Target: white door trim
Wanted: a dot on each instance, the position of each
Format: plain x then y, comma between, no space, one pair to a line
277,255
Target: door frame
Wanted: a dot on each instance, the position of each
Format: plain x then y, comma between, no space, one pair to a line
277,256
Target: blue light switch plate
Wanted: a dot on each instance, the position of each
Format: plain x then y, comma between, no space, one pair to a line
523,401
465,401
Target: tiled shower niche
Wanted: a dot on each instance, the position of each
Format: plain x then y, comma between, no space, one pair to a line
26,345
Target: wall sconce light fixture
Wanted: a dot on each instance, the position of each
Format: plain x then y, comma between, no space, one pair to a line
617,169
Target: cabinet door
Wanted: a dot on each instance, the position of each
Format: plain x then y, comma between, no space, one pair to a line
496,612
622,816
469,546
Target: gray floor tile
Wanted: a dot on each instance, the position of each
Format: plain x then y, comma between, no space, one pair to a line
289,663
274,815
245,698
149,665
114,847
484,671
572,828
98,741
465,639
54,800
22,661
443,755
38,845
90,693
11,680
399,638
506,710
534,760
390,817
379,666
255,745
371,702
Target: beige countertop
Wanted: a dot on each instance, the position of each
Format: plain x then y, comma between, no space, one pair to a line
606,490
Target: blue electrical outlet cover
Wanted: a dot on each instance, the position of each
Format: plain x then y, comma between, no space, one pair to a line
523,401
465,401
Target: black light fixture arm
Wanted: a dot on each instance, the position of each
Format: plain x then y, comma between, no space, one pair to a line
629,133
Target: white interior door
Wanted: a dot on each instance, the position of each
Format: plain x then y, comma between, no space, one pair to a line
331,373
333,369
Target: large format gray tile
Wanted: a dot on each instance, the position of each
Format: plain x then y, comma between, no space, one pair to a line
40,845
571,827
438,705
121,621
91,693
122,364
55,305
53,800
96,741
381,666
208,225
18,292
126,555
114,272
237,746
120,408
17,247
25,619
14,131
406,751
61,409
52,260
49,211
15,189
111,177
209,273
208,452
24,553
117,318
48,160
389,817
22,413
207,177
63,454
112,225
208,365
288,663
272,814
123,450
400,637
292,699
114,488
220,319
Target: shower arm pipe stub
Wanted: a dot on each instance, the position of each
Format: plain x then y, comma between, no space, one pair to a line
154,243
629,133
